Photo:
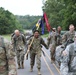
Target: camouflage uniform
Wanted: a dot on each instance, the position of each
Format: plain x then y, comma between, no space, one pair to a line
36,51
68,35
68,64
51,41
65,40
58,39
6,57
19,43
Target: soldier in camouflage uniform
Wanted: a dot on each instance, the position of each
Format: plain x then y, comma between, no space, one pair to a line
58,43
35,50
58,36
67,38
7,58
51,42
19,43
68,63
69,35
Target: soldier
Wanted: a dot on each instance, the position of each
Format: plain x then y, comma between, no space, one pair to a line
51,42
7,58
67,38
58,36
69,35
35,50
68,64
19,43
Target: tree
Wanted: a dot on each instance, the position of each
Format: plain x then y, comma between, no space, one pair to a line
8,22
61,12
27,21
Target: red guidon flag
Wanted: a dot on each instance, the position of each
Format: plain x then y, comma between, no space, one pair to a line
46,21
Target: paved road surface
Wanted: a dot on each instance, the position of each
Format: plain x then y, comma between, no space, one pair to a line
46,67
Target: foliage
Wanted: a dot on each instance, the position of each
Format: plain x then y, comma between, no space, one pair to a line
27,21
60,12
8,22
7,37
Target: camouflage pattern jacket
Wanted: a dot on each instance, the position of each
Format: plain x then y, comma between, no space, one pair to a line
7,66
19,42
51,40
37,44
68,36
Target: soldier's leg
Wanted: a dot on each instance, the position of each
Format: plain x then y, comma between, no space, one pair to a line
3,70
32,60
38,60
52,53
64,69
18,59
22,63
12,66
22,59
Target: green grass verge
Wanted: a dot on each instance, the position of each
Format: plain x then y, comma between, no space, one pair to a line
7,36
45,35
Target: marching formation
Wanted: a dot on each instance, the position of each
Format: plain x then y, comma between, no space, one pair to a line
62,49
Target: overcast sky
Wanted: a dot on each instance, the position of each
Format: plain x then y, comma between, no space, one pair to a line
23,7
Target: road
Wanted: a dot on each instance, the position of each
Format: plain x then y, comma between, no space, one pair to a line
47,68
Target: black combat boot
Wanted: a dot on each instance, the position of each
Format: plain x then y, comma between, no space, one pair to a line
19,66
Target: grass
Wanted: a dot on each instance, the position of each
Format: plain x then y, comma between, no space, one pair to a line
45,35
7,36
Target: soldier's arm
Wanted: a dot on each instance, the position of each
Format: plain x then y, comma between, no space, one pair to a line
29,43
43,43
24,39
66,51
48,40
13,42
64,37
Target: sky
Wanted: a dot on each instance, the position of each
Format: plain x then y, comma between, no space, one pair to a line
23,7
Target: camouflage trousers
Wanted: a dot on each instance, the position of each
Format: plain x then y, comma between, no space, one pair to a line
52,52
5,72
12,67
64,70
38,59
20,56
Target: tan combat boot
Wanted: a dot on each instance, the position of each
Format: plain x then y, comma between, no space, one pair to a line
22,65
19,66
39,73
31,69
